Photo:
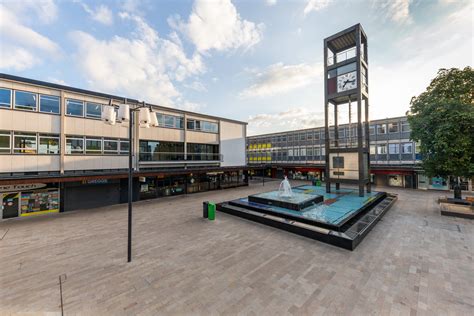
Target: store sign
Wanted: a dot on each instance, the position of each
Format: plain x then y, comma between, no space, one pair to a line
21,187
96,181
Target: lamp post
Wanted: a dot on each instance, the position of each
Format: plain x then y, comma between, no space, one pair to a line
109,116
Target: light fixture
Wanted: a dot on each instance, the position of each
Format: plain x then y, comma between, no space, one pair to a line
153,119
123,113
144,117
108,114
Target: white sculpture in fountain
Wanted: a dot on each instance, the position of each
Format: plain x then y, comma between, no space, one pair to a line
285,188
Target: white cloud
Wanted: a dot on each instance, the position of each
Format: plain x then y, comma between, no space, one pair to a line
45,10
291,119
196,85
270,2
217,25
22,47
101,14
396,10
280,78
316,5
143,66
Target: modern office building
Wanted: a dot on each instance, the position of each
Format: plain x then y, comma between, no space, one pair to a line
56,154
394,158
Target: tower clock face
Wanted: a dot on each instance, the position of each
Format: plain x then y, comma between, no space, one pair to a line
347,82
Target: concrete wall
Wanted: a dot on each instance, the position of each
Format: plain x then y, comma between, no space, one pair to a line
232,139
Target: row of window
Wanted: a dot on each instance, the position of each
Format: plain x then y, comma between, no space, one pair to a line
51,104
319,134
202,126
380,149
49,144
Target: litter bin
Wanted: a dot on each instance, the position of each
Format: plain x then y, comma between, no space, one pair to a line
211,211
205,209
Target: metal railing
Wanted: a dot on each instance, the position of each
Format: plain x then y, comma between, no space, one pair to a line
167,156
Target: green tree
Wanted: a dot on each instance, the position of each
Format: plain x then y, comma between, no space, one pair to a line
442,120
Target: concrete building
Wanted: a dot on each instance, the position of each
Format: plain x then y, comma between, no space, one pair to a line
56,154
394,158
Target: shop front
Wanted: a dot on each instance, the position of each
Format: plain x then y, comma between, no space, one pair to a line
393,178
29,199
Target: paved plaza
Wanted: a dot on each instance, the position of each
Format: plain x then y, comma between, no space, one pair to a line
414,262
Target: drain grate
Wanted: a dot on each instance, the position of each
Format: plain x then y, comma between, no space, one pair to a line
445,226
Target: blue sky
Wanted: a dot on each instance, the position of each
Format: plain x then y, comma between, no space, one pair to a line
258,61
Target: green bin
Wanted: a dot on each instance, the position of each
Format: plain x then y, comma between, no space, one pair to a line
211,211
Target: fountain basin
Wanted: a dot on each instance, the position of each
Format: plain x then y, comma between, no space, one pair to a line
297,202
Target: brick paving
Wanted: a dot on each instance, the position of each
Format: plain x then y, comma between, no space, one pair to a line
414,262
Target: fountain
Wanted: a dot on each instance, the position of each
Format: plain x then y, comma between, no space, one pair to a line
285,189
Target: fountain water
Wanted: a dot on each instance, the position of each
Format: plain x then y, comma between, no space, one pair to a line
285,189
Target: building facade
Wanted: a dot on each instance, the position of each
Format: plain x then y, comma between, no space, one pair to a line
394,158
56,154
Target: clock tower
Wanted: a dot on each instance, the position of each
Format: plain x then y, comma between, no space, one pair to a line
346,101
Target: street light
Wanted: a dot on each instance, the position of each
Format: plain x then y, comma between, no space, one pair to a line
146,118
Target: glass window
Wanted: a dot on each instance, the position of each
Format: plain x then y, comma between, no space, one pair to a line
124,147
169,121
407,148
405,127
5,98
93,110
393,127
74,108
93,146
332,73
24,143
48,144
161,119
393,148
74,145
382,149
179,122
381,129
371,130
346,68
372,149
111,146
4,142
49,104
25,100
190,124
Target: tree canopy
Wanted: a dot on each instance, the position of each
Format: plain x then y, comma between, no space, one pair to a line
442,120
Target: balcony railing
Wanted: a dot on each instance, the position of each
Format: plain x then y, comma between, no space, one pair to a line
165,156
345,55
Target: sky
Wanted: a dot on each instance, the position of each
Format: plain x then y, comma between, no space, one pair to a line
259,61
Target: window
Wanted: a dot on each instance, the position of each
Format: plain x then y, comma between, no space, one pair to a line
93,146
202,126
372,149
111,146
371,130
382,149
124,146
407,148
381,129
48,144
49,104
393,149
341,132
393,127
316,135
25,100
405,127
24,143
74,145
5,98
169,121
338,162
317,151
346,68
210,127
93,110
309,136
4,142
303,136
190,124
74,108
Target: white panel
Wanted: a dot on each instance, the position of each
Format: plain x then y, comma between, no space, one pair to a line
232,144
80,162
202,138
164,134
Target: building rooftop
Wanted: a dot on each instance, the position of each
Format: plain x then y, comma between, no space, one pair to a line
105,95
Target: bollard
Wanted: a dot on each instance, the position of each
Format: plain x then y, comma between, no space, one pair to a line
205,207
211,211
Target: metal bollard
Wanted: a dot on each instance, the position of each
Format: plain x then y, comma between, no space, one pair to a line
205,209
